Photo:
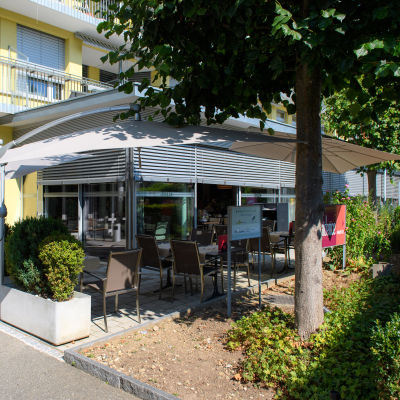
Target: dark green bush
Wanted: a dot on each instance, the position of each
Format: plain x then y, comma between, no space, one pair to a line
62,257
386,349
350,353
21,251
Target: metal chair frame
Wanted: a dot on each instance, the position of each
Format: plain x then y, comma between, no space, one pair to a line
201,267
160,268
136,285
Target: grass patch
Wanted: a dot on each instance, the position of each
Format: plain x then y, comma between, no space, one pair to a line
356,351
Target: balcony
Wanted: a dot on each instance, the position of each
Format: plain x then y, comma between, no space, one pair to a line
25,85
85,10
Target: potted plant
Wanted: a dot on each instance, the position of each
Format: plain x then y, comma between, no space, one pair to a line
44,262
203,215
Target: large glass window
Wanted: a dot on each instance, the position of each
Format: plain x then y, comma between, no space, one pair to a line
288,195
104,218
61,201
251,195
165,210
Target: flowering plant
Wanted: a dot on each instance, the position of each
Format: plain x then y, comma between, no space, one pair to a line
203,215
368,231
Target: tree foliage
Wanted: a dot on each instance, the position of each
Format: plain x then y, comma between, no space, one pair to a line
231,56
383,134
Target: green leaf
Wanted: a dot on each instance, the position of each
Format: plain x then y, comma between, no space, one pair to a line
190,13
339,16
328,13
363,98
263,58
276,62
271,131
231,11
380,13
354,109
368,81
250,68
351,94
201,11
361,52
221,41
324,23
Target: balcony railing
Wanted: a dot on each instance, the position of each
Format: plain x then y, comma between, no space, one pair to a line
87,10
25,85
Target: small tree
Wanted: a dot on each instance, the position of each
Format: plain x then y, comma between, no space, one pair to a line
237,56
383,133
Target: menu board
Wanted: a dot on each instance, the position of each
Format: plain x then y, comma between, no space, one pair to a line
245,222
334,225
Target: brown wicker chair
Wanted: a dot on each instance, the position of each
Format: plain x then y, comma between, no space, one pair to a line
186,262
219,230
242,259
201,236
267,248
122,277
151,258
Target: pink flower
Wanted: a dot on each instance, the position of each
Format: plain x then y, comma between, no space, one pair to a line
348,198
346,228
368,224
346,185
378,232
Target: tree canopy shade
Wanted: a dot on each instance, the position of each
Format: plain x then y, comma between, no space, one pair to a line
237,57
383,134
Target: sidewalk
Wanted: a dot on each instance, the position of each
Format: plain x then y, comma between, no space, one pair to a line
29,374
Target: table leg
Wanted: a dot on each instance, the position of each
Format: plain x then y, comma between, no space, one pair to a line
169,282
216,292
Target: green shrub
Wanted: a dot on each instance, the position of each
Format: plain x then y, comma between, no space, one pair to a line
386,349
342,355
21,251
368,232
62,257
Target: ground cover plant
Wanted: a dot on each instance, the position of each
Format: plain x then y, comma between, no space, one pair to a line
356,350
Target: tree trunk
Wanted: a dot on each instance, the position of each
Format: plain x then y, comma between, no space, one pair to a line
371,173
309,203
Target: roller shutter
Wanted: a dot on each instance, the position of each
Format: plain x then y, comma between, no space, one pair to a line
41,48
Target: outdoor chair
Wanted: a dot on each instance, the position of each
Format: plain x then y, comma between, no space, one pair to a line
201,236
242,259
267,248
151,258
219,230
122,277
269,224
186,262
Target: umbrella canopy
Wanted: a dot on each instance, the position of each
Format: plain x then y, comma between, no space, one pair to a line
16,169
338,156
133,134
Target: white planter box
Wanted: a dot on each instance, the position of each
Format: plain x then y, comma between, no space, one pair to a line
54,322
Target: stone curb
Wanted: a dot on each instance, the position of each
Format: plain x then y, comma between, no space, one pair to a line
132,385
115,378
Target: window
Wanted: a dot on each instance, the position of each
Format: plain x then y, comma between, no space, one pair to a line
85,71
280,116
294,120
41,48
106,76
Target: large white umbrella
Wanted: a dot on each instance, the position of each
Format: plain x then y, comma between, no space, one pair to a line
16,169
133,134
338,156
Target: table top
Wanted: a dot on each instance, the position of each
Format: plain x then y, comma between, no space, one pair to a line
220,253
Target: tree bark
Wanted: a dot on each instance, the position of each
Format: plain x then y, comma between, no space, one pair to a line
371,173
309,204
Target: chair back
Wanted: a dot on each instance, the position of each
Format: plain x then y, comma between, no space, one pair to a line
150,255
241,257
220,230
186,257
123,270
265,242
269,224
201,236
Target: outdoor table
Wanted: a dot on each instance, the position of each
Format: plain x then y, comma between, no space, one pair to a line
222,255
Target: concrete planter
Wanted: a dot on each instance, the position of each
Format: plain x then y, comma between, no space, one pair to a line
57,323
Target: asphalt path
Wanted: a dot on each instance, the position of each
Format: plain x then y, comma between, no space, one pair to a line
29,374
